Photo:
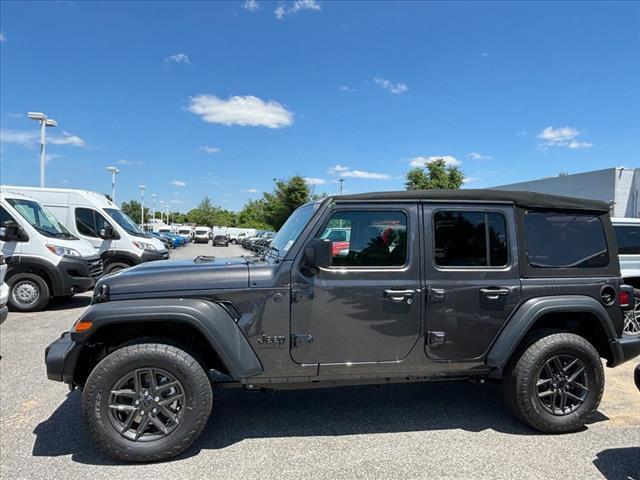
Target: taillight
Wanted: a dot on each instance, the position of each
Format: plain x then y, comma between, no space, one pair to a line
625,296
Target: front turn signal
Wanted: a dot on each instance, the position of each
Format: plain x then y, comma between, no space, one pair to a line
83,326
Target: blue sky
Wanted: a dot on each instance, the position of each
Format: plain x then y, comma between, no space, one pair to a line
217,99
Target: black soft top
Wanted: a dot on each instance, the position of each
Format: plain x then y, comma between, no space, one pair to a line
521,199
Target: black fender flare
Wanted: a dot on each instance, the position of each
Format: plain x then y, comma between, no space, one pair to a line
523,319
209,318
124,256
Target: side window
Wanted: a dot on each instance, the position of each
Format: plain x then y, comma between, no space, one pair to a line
5,217
565,240
85,222
365,238
470,239
628,238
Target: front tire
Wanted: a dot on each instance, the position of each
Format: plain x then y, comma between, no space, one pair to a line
28,292
115,267
556,383
146,402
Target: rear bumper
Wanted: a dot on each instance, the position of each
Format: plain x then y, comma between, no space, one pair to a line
624,348
60,358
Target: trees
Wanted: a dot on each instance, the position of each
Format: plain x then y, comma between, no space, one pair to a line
132,208
434,175
285,198
253,215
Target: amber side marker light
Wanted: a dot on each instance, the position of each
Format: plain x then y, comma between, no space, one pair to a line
83,326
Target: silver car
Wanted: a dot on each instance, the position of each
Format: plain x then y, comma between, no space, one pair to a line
628,239
4,290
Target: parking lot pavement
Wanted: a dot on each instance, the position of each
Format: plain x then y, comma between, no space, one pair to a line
431,430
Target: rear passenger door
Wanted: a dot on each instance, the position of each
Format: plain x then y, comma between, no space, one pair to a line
471,278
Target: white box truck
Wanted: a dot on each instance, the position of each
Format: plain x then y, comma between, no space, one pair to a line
93,217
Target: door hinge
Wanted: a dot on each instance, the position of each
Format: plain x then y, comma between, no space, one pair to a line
297,340
436,338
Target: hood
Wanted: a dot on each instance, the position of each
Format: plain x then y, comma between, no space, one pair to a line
179,275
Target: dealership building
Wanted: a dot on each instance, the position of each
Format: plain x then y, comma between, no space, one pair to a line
618,186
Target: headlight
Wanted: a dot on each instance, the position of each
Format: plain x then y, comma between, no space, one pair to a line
144,246
63,251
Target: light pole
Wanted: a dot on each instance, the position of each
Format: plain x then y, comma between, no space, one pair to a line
341,182
113,171
161,211
44,123
153,196
142,188
166,210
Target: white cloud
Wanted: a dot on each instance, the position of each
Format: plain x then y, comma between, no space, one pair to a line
469,180
50,156
67,139
314,181
251,5
238,110
344,88
178,183
561,137
250,190
298,5
343,171
395,88
3,37
178,58
124,161
20,137
209,150
178,202
479,156
28,138
421,162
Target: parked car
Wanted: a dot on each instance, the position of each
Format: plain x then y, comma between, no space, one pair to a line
4,288
247,241
166,242
628,239
186,232
44,260
220,241
91,216
261,244
435,284
178,241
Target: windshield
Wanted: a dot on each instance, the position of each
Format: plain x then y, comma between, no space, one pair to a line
292,228
40,219
125,222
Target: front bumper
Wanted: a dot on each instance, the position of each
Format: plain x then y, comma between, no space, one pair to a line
624,348
60,358
77,275
149,255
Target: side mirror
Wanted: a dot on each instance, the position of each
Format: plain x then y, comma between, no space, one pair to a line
10,232
317,255
107,233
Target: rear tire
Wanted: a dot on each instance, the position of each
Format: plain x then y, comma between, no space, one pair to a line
28,292
556,383
142,373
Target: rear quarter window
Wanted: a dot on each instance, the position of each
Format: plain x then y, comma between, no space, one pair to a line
565,240
628,239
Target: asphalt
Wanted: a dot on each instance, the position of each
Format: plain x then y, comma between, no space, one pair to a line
432,430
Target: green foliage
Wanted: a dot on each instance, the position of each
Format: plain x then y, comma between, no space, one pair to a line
253,215
435,175
132,209
206,213
285,198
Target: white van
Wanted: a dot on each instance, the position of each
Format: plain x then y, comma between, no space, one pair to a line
628,239
93,217
237,234
185,231
202,235
44,259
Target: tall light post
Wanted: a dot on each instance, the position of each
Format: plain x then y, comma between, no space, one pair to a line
114,171
142,189
161,211
153,210
44,123
341,182
166,210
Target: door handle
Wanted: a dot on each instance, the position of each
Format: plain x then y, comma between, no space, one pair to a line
400,295
493,293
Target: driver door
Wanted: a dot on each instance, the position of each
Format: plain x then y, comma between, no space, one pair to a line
366,306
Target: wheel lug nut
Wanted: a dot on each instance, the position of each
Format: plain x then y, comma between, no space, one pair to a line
142,412
157,399
155,410
137,402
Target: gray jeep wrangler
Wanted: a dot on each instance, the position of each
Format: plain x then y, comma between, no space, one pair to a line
521,288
